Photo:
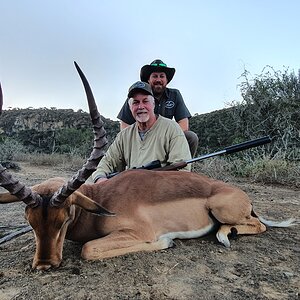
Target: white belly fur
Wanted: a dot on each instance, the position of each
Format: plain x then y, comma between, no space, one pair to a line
188,234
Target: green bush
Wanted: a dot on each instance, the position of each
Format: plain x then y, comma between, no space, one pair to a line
270,106
11,149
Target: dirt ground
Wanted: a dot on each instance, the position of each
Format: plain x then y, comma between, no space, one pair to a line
264,266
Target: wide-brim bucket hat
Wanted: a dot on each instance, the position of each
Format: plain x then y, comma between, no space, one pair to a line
156,66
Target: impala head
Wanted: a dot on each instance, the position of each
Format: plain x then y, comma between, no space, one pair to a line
49,225
50,222
50,205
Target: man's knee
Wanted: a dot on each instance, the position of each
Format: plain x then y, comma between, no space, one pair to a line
193,140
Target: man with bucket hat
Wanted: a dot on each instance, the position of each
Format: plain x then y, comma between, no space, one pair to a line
168,102
151,137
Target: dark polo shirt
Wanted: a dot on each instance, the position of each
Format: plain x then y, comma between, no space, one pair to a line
170,105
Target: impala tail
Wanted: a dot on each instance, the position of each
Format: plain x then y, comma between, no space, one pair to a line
285,223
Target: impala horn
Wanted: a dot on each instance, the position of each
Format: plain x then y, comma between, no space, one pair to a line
97,153
12,185
18,189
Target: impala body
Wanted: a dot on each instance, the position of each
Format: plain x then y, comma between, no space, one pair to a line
137,210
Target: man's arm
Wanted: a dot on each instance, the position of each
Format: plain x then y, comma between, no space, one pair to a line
184,124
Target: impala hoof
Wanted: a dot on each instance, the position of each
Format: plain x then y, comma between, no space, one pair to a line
223,239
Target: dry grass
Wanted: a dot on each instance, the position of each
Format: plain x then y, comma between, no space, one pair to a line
257,168
263,170
64,161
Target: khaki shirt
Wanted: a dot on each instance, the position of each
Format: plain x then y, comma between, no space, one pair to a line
164,141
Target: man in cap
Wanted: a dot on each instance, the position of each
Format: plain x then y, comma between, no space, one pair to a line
168,102
151,137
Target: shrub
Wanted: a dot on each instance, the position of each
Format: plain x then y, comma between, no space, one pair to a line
11,149
270,105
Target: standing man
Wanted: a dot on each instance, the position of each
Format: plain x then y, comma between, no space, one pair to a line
168,102
151,137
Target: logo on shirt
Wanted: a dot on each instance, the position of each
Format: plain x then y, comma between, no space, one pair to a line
169,104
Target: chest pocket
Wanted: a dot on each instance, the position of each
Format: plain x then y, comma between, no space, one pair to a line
166,109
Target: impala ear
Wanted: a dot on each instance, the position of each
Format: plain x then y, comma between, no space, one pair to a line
8,198
89,205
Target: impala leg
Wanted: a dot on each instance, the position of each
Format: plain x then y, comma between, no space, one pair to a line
120,243
251,226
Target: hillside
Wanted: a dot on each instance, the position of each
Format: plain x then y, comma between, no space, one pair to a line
44,119
50,130
63,130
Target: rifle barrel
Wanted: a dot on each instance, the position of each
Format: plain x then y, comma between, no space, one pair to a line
249,144
234,148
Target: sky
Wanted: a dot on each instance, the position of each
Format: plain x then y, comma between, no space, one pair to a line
209,43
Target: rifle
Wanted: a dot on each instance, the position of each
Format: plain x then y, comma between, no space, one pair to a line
156,165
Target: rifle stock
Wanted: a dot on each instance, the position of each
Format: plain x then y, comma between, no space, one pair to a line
155,164
173,167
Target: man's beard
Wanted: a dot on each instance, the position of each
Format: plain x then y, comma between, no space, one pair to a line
142,117
158,90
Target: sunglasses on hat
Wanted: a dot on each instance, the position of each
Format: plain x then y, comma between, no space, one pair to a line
158,65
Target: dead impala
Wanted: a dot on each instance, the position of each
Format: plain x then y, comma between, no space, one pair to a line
137,210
